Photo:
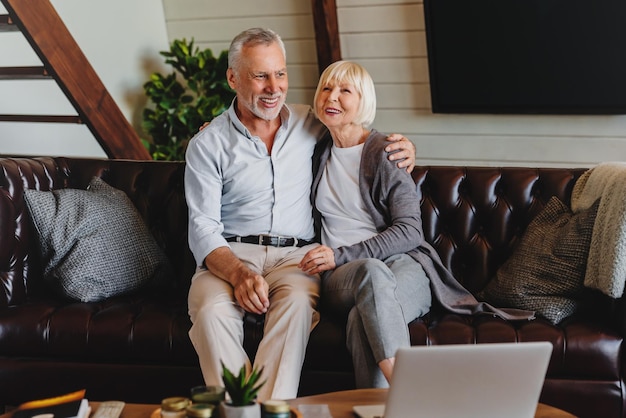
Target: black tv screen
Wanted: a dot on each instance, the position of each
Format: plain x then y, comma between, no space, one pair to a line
527,56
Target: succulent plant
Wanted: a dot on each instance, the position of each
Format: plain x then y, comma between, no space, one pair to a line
242,388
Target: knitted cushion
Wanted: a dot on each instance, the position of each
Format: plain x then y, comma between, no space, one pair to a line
546,271
94,244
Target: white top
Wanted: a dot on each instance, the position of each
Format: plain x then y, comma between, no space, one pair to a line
344,218
234,187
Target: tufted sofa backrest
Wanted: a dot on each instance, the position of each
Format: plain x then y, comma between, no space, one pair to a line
472,216
156,189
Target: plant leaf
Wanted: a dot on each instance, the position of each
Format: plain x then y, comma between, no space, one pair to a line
176,109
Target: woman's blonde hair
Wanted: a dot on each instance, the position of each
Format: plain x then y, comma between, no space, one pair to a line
348,72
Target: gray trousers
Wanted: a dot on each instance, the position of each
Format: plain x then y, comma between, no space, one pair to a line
379,298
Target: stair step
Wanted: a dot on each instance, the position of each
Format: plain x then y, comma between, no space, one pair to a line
23,73
41,118
7,25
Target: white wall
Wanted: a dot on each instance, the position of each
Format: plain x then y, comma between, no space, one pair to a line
121,40
213,24
388,38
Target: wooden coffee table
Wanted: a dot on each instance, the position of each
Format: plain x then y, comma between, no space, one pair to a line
339,403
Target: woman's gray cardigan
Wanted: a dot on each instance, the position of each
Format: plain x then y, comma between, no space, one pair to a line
392,200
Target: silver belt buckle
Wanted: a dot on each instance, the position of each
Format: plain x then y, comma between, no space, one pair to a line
269,238
277,238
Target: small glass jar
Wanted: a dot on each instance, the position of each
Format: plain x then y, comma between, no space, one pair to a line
200,410
174,407
208,394
274,408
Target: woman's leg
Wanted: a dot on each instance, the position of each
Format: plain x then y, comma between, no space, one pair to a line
414,296
369,290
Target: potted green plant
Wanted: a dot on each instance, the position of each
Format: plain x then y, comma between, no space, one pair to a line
242,390
178,107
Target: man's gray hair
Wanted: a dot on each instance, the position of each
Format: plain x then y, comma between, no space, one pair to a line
251,37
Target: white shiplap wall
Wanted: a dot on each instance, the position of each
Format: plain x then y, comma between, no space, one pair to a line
213,24
388,38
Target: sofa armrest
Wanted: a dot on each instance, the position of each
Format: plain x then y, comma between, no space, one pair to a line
12,289
20,270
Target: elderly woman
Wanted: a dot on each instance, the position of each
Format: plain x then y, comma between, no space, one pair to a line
370,220
376,266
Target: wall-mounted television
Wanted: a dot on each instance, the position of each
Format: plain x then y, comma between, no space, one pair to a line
527,56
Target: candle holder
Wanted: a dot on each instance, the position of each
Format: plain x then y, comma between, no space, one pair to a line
208,394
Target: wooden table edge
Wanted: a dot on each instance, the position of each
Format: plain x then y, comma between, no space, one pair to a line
339,403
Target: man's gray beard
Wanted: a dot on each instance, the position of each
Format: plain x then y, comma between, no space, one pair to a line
258,112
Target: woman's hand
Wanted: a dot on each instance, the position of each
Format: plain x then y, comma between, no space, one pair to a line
317,260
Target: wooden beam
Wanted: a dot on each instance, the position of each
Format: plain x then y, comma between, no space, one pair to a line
50,39
326,33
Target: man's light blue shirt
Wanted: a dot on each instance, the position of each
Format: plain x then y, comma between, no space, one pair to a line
234,187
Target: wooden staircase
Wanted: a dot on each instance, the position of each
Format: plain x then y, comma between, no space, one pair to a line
64,62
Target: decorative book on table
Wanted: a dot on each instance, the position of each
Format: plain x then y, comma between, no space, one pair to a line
71,405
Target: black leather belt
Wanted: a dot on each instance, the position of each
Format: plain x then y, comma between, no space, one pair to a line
271,240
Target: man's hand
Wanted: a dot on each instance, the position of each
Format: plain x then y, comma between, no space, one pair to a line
405,154
317,260
250,289
251,292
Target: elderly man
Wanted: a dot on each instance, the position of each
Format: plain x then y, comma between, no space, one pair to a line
247,182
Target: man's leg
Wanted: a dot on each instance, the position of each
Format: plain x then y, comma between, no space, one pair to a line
291,317
217,328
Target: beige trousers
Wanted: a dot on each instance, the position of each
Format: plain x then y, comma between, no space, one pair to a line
217,320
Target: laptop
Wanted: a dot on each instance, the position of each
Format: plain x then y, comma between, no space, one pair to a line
469,380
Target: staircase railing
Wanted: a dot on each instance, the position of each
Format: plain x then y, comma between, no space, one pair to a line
64,62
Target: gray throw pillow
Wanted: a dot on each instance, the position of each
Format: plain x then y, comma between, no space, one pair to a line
94,244
546,271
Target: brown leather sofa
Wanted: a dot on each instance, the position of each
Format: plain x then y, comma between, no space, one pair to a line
136,347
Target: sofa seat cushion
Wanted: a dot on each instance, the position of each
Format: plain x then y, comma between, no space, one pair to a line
127,329
583,349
